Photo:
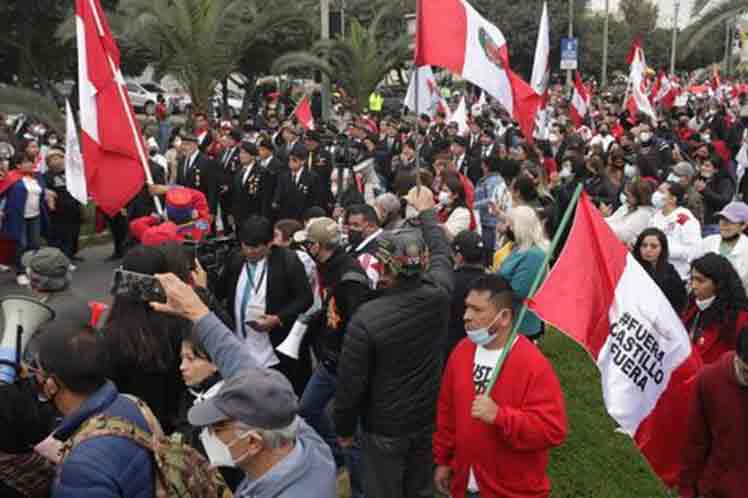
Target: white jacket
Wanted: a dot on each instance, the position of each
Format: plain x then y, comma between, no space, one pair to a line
738,256
683,233
628,225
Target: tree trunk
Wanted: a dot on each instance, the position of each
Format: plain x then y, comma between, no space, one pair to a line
250,87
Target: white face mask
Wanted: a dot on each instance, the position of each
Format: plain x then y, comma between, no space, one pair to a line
630,171
566,173
623,199
218,452
444,198
672,178
658,200
645,137
703,304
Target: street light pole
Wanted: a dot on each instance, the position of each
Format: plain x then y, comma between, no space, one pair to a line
571,35
324,8
675,37
604,76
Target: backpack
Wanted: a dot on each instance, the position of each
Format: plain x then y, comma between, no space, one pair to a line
181,471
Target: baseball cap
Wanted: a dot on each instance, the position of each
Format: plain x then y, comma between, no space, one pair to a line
258,397
402,252
469,244
319,231
49,268
684,169
735,212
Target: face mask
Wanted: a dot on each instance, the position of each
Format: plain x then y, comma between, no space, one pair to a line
703,304
218,452
706,138
630,171
645,137
658,200
482,336
355,237
52,141
672,178
334,189
566,172
444,198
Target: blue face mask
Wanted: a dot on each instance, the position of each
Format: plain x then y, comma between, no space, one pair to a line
482,336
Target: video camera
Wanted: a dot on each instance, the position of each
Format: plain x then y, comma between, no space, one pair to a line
212,253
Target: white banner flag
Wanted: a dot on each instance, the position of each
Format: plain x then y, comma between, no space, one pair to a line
75,176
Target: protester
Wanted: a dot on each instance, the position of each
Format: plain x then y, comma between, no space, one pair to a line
635,213
485,190
65,214
731,242
651,250
496,443
717,188
524,262
717,308
394,390
453,208
469,257
716,431
363,236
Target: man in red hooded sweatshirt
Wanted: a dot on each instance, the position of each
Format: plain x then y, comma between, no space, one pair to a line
496,445
187,218
715,456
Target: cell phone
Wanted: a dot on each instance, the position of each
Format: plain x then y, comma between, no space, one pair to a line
138,286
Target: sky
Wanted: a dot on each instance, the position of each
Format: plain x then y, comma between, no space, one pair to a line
667,8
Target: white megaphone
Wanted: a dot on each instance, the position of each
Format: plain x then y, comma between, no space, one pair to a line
290,346
23,316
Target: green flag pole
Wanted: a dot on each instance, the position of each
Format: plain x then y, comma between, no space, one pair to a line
535,284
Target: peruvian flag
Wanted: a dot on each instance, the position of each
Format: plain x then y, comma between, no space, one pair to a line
638,100
625,322
451,34
113,150
663,91
580,102
716,84
303,113
429,96
541,70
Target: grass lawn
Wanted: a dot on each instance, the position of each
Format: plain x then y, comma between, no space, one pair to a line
595,461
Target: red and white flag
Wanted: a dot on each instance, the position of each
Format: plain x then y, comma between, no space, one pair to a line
429,96
625,322
541,70
112,143
638,100
451,34
580,102
663,91
303,113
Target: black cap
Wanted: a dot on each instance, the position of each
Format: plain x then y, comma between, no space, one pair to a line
469,244
249,148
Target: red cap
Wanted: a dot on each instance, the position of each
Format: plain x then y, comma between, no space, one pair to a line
179,198
165,232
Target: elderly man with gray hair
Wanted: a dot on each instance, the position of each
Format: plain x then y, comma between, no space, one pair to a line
252,422
389,210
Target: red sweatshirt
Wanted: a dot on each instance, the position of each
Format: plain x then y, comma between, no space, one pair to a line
509,457
715,342
715,459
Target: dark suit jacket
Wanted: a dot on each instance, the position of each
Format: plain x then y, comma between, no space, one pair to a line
229,166
202,176
252,196
291,200
288,291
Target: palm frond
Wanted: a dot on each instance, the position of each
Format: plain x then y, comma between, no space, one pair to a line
301,59
710,20
22,100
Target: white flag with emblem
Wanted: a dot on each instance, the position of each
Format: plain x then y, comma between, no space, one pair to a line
75,176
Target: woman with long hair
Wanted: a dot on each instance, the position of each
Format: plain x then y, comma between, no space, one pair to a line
635,213
525,260
144,346
453,206
651,250
717,307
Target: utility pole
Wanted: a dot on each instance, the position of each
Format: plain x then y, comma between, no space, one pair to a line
728,47
604,76
324,8
674,37
571,35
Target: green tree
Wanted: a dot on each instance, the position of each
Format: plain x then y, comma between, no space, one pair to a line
640,15
358,61
709,19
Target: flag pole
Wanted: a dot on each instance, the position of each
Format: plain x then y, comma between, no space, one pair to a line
415,93
138,138
534,287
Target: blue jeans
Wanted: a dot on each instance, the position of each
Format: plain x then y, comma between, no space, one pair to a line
319,391
31,238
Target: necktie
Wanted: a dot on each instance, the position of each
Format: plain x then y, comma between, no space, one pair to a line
247,292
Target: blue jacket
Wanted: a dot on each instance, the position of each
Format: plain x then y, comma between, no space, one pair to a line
520,269
13,220
484,192
104,467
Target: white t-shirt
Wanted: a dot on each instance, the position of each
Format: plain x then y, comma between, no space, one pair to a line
258,343
484,362
33,194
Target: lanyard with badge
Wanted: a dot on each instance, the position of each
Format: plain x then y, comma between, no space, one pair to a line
251,288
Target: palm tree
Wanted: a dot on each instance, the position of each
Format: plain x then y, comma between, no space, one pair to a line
199,42
705,20
357,62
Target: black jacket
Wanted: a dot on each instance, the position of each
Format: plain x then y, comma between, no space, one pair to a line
291,200
390,366
463,277
229,166
202,176
288,292
142,204
344,288
717,194
67,209
251,195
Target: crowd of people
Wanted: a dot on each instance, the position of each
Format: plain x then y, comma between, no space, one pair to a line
376,267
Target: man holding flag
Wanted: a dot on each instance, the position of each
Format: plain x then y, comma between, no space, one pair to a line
496,444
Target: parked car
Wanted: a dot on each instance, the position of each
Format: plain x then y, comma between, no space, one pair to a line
142,99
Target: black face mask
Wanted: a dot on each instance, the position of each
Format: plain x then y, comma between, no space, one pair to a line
355,237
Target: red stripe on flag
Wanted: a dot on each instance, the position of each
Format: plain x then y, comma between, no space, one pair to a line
441,34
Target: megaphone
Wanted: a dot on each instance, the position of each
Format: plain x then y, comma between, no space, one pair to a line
290,346
23,316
